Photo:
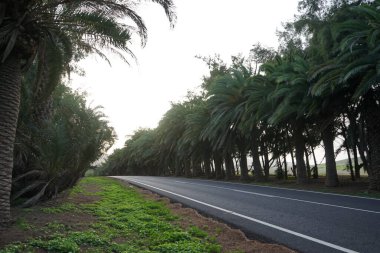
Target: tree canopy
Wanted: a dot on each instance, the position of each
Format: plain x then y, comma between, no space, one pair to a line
321,83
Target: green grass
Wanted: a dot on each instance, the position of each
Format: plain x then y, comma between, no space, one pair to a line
126,222
23,224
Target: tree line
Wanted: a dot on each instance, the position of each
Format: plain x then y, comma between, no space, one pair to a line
276,105
49,136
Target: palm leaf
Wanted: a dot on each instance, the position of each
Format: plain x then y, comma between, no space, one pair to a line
368,81
28,173
10,44
33,200
27,188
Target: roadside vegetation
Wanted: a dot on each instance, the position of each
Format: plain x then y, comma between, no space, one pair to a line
107,215
113,218
271,108
49,136
274,108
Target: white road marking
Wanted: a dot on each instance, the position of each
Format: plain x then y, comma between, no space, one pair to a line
297,190
230,189
280,197
255,193
327,244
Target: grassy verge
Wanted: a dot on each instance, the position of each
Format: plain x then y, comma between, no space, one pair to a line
115,219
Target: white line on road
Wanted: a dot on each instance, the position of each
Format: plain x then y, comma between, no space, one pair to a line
231,189
330,245
280,197
297,190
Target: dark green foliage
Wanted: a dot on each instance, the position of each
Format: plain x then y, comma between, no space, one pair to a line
52,156
278,104
48,37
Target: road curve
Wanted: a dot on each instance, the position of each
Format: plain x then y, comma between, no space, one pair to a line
302,220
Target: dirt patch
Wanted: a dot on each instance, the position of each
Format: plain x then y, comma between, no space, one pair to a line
83,199
89,197
35,222
230,239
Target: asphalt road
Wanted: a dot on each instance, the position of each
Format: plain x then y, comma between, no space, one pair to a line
302,220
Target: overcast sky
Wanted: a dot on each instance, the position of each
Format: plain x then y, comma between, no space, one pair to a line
137,95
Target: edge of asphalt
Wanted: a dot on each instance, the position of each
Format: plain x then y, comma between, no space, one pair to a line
249,234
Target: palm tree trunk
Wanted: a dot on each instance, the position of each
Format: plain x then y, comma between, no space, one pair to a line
187,163
178,167
315,169
356,162
300,146
256,157
350,163
353,124
290,146
229,165
294,167
243,167
362,154
363,143
10,84
285,167
308,168
218,161
347,147
207,167
237,166
328,142
266,163
233,171
372,117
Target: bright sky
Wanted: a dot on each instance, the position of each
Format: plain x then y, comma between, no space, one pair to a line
138,95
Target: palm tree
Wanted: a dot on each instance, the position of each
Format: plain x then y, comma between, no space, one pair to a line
353,72
142,153
226,103
66,30
290,100
257,111
75,137
196,121
170,131
114,165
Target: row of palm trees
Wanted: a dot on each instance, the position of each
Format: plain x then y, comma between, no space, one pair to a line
323,82
51,36
54,148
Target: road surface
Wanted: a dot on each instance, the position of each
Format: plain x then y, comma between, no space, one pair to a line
302,220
